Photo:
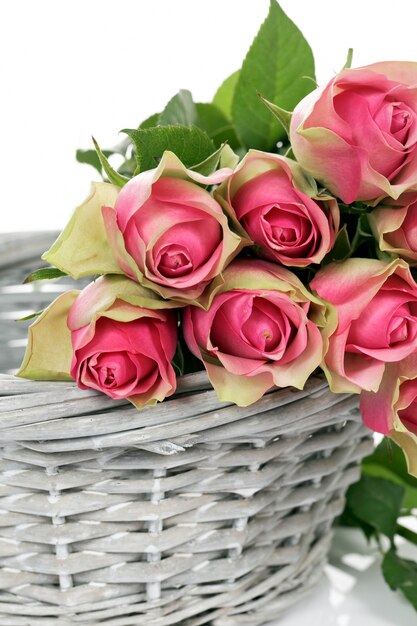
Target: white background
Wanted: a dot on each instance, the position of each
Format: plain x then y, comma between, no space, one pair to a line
73,69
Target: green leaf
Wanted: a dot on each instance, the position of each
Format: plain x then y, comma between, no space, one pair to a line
389,455
30,316
388,461
180,109
349,59
150,121
377,502
113,176
283,116
401,574
228,157
364,229
379,471
279,65
44,273
363,233
407,533
358,208
209,165
382,255
223,156
90,157
341,249
191,145
223,97
217,126
348,518
178,360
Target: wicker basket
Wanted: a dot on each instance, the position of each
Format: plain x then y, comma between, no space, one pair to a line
192,512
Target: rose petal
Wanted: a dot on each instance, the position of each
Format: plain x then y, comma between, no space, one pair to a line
49,350
82,249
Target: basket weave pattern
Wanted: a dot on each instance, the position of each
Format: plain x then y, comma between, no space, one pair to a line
192,512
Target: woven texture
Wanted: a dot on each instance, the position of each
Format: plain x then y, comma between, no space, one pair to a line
192,512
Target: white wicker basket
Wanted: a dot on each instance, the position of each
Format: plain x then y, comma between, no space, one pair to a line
192,512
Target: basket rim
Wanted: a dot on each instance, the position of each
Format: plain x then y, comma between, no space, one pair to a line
46,411
60,412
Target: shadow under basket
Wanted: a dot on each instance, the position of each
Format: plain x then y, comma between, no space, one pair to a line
191,512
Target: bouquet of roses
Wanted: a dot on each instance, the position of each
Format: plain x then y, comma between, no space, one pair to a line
260,236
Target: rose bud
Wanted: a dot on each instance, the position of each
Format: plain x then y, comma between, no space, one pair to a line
394,224
169,233
358,134
162,229
392,410
280,209
260,330
114,336
376,304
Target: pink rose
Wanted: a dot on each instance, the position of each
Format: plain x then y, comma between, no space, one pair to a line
358,135
394,224
281,209
376,304
114,336
392,410
120,348
396,399
260,330
168,232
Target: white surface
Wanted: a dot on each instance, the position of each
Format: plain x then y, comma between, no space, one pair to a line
70,69
354,594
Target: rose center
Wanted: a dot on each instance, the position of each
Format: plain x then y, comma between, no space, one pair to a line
284,235
259,335
107,375
265,327
283,225
398,330
113,369
401,122
175,261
